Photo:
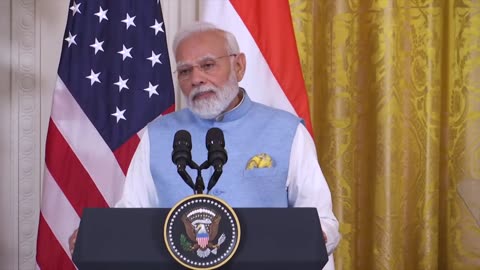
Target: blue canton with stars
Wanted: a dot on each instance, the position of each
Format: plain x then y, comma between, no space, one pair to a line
115,63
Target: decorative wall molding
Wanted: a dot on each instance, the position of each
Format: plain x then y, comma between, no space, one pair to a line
25,89
8,199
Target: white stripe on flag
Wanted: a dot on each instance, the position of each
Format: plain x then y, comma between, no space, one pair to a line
58,212
88,145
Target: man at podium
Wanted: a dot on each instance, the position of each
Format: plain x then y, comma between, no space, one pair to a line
272,159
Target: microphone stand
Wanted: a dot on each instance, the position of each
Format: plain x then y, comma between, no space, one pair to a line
199,183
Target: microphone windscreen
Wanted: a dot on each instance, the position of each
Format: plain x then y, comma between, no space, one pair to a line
182,138
214,137
217,155
181,154
182,145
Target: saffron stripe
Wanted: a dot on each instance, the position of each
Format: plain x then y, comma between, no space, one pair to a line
275,28
259,81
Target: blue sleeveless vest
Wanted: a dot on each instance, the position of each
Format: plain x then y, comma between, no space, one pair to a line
249,130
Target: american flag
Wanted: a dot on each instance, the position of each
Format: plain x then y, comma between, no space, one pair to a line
114,77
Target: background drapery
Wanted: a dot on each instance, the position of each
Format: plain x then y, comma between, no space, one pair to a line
394,89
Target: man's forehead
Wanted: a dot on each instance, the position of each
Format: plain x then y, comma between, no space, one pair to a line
202,44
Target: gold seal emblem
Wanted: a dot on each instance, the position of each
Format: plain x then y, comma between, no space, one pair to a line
202,232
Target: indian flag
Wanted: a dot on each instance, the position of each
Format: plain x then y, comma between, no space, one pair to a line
264,31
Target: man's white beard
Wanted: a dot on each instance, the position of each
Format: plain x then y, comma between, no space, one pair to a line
211,107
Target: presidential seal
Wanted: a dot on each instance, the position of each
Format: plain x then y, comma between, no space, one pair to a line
202,232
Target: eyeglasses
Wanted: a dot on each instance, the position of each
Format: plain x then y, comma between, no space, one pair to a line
208,65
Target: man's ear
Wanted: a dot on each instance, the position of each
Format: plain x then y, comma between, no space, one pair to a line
240,66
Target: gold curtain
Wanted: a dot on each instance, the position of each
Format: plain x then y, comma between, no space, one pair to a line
394,90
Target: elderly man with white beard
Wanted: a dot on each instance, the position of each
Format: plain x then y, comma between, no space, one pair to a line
209,69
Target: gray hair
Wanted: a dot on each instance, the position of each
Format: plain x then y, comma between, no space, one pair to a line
231,44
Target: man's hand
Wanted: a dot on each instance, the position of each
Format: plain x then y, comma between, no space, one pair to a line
73,238
324,237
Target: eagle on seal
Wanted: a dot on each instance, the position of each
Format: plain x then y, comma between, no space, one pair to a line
201,226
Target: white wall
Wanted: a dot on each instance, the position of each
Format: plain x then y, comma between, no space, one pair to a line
30,41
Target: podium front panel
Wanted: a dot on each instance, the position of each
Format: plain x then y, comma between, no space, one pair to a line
132,238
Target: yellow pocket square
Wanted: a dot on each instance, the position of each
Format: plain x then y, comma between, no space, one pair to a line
260,161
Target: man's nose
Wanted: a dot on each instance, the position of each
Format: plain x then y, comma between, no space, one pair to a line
198,76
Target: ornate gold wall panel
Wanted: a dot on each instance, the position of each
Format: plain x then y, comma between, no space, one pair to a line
394,90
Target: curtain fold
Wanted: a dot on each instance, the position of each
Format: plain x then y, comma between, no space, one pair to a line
394,89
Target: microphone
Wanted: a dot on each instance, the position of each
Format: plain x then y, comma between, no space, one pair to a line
181,154
217,156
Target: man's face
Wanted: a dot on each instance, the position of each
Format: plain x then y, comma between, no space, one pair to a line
208,76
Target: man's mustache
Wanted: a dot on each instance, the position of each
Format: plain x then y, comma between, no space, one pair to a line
202,90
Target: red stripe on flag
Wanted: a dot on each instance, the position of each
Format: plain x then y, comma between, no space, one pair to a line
48,248
170,109
125,153
270,24
70,175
